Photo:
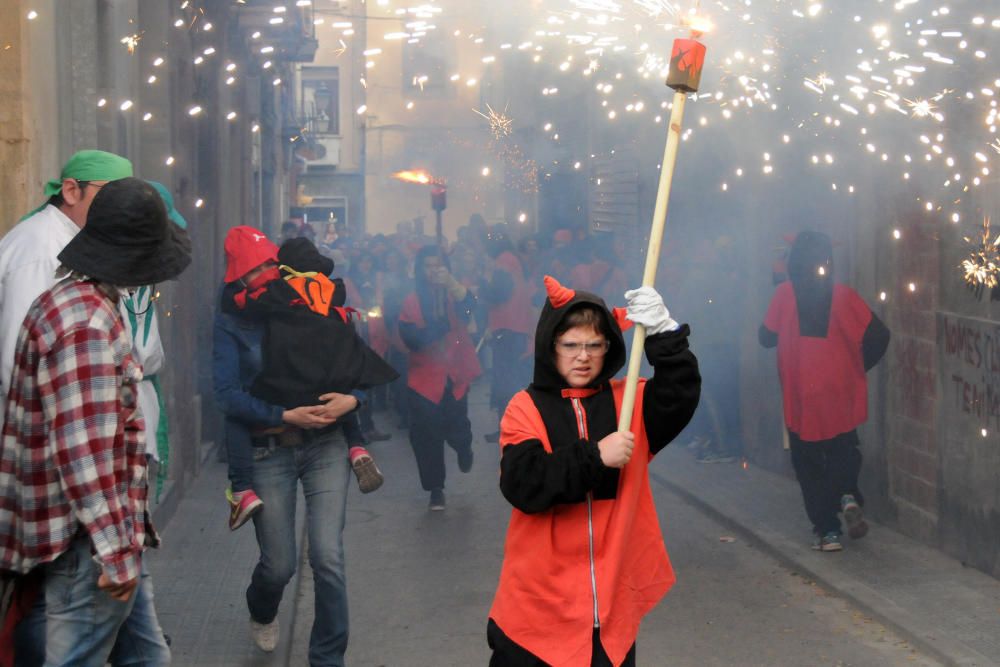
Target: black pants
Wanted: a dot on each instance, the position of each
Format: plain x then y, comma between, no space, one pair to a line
508,654
826,470
433,424
511,368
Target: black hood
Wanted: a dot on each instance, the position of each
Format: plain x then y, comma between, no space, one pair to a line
810,269
546,377
302,255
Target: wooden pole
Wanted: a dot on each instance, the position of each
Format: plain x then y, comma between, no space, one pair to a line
653,253
686,62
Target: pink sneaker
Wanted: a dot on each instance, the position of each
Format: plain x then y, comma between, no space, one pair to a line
242,506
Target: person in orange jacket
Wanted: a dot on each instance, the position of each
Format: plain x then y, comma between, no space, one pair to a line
584,558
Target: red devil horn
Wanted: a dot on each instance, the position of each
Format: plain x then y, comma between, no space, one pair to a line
623,322
559,296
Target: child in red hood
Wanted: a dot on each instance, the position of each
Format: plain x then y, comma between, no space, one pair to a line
584,558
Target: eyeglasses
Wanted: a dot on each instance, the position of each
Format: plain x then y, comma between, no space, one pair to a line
593,349
83,184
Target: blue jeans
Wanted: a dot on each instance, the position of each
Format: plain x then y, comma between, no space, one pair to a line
239,455
82,625
323,468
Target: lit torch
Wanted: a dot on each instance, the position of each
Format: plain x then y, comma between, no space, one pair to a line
439,195
686,62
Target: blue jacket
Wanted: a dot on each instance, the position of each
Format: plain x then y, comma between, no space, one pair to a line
236,361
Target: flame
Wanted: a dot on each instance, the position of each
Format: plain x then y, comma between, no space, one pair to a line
416,176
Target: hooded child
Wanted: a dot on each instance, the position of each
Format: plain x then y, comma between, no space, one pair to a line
827,339
584,558
310,347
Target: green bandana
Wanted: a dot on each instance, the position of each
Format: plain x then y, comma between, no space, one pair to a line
168,199
87,165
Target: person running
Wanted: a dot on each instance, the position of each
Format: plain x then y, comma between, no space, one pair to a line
442,364
584,558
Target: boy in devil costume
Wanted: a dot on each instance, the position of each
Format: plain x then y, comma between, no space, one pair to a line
310,348
584,558
827,338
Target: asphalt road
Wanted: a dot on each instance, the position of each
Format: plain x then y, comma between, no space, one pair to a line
421,583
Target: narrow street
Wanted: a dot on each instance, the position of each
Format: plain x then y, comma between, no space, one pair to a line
421,583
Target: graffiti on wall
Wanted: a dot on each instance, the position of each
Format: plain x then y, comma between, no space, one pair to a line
970,377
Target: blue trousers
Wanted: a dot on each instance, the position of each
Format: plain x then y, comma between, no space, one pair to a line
75,623
323,468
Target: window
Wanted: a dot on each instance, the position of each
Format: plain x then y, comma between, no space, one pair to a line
319,104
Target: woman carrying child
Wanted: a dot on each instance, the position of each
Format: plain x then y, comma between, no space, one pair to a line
320,463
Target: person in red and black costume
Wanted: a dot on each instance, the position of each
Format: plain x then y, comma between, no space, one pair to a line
584,558
442,363
827,339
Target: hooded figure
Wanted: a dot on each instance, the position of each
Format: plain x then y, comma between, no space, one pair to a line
584,558
310,347
827,338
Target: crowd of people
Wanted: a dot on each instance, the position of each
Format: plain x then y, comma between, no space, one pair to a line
407,324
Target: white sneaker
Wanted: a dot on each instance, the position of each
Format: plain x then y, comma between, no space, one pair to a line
265,635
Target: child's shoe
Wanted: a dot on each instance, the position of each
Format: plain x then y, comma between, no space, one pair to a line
242,506
369,476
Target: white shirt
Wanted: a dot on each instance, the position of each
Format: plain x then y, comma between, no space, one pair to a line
28,266
28,263
139,314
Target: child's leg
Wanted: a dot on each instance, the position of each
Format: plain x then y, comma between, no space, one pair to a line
369,476
240,453
243,502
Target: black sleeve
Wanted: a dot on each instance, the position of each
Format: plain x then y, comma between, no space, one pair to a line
533,480
875,342
767,337
672,394
417,338
499,289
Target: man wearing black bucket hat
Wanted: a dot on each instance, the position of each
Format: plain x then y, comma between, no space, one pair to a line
73,485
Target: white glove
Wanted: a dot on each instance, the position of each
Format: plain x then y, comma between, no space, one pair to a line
645,307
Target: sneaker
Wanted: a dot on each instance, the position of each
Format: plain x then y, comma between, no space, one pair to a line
857,527
465,458
437,500
265,635
242,506
830,542
369,476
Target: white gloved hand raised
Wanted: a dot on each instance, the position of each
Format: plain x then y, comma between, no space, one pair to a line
645,307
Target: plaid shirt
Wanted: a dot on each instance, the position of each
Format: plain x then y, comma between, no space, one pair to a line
72,450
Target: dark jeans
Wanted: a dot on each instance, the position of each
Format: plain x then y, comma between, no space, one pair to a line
433,424
826,470
508,654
